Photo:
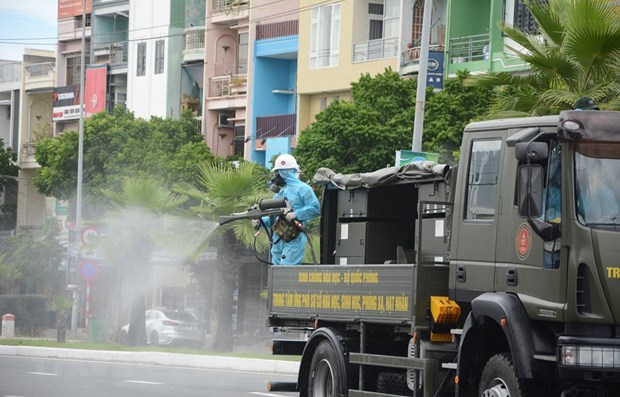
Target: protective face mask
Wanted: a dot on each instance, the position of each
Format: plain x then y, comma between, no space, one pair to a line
277,182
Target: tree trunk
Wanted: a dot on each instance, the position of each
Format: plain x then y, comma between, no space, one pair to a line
226,273
136,336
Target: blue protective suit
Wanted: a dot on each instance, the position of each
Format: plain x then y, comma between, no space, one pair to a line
306,206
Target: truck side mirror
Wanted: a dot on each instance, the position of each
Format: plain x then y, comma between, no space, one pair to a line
529,203
536,151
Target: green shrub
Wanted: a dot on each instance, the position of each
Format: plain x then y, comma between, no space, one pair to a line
31,312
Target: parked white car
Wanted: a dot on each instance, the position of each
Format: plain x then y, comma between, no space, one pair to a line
172,328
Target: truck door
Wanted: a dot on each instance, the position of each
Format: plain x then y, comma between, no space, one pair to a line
475,215
527,265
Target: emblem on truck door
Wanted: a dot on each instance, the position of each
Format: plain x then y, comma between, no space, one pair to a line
524,241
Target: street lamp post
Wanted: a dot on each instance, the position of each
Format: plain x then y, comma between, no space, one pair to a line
420,98
78,200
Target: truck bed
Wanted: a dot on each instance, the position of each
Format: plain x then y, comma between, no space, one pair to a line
353,293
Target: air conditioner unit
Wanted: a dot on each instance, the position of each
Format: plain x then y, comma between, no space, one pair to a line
223,122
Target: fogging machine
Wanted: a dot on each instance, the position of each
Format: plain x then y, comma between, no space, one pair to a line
265,207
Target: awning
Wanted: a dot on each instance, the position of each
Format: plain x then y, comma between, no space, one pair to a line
196,72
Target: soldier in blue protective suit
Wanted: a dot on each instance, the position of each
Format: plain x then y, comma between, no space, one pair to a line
304,206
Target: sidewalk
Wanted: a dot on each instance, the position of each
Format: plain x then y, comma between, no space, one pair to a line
157,358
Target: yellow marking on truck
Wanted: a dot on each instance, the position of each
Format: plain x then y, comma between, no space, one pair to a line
613,272
356,277
337,302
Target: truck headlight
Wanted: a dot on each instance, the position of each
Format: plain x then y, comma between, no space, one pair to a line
590,356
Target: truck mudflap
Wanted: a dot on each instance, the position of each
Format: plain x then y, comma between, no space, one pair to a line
342,292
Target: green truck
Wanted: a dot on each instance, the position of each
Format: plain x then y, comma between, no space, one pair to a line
496,278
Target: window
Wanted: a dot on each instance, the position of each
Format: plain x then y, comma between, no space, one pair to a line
517,14
391,19
141,61
482,179
242,54
323,103
73,70
324,36
159,56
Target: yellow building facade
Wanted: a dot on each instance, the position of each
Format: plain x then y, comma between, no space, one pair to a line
338,42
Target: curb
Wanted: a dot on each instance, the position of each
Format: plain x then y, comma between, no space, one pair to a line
157,358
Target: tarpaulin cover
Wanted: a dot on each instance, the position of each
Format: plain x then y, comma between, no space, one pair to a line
418,170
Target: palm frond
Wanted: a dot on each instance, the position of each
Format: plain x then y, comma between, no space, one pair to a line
548,19
493,79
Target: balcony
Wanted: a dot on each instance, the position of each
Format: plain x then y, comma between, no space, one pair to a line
40,76
115,53
229,12
469,48
276,126
228,85
194,44
410,59
27,159
372,50
277,29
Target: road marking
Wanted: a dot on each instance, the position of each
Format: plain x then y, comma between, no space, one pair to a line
266,394
143,382
41,373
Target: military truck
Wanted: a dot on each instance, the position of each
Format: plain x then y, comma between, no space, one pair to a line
499,277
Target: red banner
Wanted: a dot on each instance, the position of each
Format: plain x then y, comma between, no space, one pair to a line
94,94
72,8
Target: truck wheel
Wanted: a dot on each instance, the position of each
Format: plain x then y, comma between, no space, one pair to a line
499,378
324,378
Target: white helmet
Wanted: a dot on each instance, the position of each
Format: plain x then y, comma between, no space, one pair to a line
285,162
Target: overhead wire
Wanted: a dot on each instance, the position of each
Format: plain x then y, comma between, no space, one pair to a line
18,41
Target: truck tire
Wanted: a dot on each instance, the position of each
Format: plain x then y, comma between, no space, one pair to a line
499,378
324,378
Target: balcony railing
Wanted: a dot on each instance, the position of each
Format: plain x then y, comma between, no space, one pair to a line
227,85
195,38
228,68
412,55
469,48
277,29
118,53
40,69
375,49
275,126
228,5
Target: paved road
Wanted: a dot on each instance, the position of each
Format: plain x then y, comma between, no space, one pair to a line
40,377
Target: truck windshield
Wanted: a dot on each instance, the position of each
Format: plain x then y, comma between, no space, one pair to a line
596,183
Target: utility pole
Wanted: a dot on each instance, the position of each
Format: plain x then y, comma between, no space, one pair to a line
420,98
78,200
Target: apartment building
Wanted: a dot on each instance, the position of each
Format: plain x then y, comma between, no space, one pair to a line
10,90
338,42
110,43
36,101
226,76
165,57
272,112
474,40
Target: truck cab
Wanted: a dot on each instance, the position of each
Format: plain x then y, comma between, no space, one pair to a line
537,247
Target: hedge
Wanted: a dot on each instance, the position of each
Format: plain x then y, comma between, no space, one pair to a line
31,312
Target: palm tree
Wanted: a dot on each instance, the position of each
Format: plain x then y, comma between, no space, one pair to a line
226,189
575,53
135,226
